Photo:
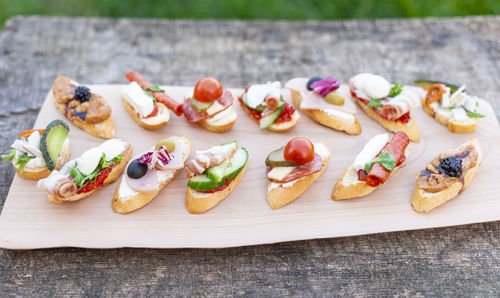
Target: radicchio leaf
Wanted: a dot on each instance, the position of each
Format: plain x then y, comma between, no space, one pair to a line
159,157
323,87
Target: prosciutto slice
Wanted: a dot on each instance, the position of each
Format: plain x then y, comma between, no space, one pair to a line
314,101
147,183
226,100
396,147
302,170
207,159
396,107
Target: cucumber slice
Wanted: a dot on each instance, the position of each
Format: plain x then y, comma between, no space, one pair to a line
202,183
277,159
236,163
426,83
217,173
200,106
268,120
260,108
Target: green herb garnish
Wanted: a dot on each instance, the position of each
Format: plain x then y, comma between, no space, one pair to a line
149,94
395,90
374,103
474,114
80,178
385,159
22,160
154,88
7,157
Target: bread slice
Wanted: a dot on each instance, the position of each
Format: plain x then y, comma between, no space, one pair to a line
276,127
337,123
140,200
45,172
220,125
453,125
410,128
349,186
113,175
105,129
199,202
281,196
161,119
423,201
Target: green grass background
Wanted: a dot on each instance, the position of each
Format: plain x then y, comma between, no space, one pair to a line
249,9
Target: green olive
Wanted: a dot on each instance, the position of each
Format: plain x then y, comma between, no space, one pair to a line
334,98
167,143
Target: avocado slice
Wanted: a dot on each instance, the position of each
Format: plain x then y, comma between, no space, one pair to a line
52,141
426,83
277,159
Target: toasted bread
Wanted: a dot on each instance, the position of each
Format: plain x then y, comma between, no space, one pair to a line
281,196
113,175
337,123
123,206
410,128
453,125
276,127
223,124
424,201
161,119
199,202
45,172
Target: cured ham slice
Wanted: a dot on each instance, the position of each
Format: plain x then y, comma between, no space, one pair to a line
396,147
302,170
226,100
147,183
160,96
396,107
314,101
207,159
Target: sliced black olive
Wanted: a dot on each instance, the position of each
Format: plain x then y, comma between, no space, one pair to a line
136,169
312,80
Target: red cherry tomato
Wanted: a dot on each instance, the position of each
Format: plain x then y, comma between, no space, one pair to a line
207,90
299,150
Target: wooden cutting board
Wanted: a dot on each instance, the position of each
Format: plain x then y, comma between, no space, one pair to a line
29,221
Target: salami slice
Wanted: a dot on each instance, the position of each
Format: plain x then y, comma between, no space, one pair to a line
396,147
226,100
160,96
303,170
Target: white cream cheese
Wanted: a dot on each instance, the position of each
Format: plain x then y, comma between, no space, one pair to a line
374,86
125,192
322,150
136,97
339,114
226,116
370,150
459,114
257,93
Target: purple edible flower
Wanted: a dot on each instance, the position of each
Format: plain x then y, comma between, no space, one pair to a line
323,87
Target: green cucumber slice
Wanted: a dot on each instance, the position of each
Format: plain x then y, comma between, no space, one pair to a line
217,173
426,83
277,159
268,120
202,183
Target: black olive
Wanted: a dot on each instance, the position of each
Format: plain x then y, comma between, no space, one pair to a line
312,80
452,166
136,169
82,94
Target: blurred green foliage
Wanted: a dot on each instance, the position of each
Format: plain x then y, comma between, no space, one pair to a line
249,9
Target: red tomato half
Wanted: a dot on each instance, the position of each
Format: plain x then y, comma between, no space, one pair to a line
207,90
299,150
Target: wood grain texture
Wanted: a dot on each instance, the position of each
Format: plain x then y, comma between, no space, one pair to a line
450,261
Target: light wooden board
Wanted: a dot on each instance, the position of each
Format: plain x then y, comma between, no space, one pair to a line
28,220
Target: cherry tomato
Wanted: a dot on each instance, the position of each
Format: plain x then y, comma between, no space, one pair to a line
207,90
299,150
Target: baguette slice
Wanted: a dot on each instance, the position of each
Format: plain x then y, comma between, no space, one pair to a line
113,175
453,125
276,127
161,119
199,202
337,123
410,128
123,206
225,123
45,172
349,186
423,201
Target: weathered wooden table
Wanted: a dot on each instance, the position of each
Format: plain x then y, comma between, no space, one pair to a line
453,261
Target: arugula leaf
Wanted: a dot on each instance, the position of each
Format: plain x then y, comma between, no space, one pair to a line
154,88
395,90
117,158
385,159
80,178
474,114
149,94
22,160
7,157
374,103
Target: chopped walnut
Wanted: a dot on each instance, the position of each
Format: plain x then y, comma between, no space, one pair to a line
73,104
82,107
